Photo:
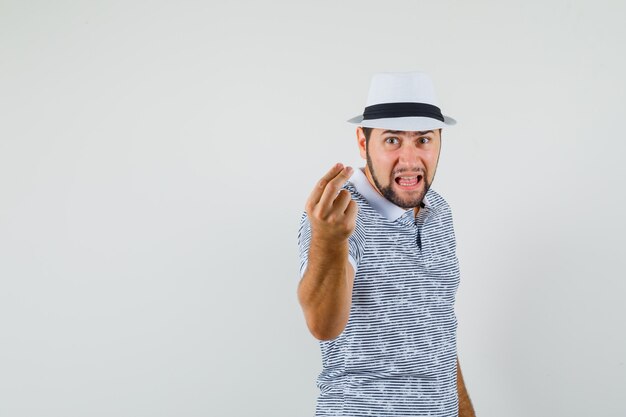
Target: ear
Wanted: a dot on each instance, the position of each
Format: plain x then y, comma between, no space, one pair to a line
360,138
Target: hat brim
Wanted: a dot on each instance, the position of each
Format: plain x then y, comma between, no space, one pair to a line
404,123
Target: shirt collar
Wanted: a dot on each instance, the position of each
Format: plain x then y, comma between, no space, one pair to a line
383,206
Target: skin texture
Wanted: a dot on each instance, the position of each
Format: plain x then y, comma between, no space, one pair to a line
465,405
393,153
325,290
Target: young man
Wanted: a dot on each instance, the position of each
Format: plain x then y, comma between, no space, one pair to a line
379,271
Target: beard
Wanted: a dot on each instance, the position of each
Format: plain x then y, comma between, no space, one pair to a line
389,193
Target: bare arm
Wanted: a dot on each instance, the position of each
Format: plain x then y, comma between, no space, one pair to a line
325,290
465,405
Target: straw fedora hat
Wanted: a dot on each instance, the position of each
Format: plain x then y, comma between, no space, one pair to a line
402,101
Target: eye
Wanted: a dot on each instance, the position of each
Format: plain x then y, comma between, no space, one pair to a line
392,140
424,139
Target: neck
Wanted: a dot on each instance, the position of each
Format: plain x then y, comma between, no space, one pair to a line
368,174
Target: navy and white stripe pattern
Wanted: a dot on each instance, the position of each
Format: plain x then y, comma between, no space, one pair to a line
397,353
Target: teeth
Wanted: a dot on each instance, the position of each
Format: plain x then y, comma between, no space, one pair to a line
407,181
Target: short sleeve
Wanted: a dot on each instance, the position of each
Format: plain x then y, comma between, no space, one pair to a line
356,243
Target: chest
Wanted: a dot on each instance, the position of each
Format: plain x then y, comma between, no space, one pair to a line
410,266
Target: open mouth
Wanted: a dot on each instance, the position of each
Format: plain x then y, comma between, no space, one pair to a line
409,182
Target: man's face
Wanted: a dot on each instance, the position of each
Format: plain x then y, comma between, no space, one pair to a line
401,164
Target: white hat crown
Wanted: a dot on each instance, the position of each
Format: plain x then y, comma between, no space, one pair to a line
407,87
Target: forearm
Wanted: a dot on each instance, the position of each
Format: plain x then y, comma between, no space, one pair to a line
325,291
465,405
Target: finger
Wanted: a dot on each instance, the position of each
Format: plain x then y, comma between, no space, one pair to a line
332,188
352,209
341,202
316,194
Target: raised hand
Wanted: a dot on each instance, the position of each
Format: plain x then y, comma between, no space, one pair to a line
331,211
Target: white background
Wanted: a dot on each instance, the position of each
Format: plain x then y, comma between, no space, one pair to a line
155,158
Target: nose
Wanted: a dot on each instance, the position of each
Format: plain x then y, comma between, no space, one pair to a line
409,154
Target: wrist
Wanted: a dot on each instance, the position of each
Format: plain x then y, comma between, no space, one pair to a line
329,244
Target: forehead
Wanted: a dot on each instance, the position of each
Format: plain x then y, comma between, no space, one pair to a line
405,132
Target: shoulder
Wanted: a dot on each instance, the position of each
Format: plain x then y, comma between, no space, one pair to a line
436,201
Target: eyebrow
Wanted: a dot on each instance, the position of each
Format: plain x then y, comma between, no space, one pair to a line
396,132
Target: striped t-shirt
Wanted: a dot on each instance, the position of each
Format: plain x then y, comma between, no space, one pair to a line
397,354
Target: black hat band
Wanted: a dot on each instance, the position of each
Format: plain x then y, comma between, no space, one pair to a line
391,110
